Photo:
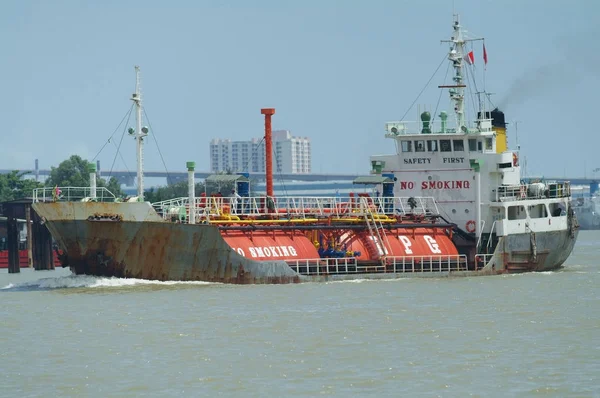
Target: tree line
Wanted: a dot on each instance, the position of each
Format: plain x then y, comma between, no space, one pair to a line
74,172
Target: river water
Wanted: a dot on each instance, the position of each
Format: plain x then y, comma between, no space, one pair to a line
534,334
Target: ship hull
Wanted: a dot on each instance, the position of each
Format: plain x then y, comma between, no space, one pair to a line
161,251
182,252
136,243
542,251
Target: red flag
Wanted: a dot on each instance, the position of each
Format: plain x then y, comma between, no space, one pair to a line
484,54
470,58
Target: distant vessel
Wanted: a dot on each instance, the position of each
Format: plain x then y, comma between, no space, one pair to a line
23,255
588,211
451,203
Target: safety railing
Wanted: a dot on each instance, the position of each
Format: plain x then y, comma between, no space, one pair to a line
536,190
481,260
412,127
324,266
399,264
296,207
72,194
457,262
480,232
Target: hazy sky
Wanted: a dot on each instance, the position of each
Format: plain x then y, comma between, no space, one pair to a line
335,71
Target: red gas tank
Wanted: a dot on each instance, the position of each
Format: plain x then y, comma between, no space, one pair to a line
401,242
269,245
420,242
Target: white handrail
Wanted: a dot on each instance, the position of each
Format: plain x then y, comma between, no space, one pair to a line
392,264
70,194
304,207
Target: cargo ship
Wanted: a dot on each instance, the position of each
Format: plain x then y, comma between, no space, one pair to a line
452,203
587,210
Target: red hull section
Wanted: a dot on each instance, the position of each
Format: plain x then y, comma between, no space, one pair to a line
23,261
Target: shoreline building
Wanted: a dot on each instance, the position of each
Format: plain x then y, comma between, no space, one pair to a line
292,155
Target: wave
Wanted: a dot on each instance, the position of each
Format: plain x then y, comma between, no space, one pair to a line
93,282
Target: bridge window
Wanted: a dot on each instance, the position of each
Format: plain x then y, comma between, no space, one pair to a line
432,146
538,211
445,146
459,145
516,213
499,213
419,146
557,209
488,144
406,146
472,144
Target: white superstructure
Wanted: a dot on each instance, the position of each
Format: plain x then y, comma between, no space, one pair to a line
468,169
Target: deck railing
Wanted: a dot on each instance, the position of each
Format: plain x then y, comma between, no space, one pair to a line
72,194
324,266
442,263
390,264
481,260
295,207
436,126
537,190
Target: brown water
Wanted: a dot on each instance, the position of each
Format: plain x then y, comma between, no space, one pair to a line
519,335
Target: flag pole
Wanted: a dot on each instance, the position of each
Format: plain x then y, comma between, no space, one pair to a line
484,65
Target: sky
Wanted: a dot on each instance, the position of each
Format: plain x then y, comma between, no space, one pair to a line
336,72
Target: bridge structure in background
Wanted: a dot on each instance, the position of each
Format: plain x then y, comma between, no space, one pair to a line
127,178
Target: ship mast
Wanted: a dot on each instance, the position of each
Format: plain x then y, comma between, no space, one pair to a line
140,133
456,55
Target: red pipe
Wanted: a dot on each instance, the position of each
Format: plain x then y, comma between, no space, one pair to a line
268,112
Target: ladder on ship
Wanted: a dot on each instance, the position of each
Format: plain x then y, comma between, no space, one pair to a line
375,227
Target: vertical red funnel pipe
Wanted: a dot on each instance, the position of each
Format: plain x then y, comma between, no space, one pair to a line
268,112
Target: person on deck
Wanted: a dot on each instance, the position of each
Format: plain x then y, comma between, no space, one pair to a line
234,201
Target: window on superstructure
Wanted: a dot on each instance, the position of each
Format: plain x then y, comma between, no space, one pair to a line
516,213
472,145
538,211
419,146
488,144
406,146
432,146
499,213
445,146
479,146
459,145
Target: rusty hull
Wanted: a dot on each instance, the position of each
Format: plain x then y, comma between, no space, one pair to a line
134,242
130,240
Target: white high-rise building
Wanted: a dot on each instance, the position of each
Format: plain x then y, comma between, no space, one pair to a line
291,155
237,156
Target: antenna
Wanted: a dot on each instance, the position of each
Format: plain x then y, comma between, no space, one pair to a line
456,55
140,132
516,122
